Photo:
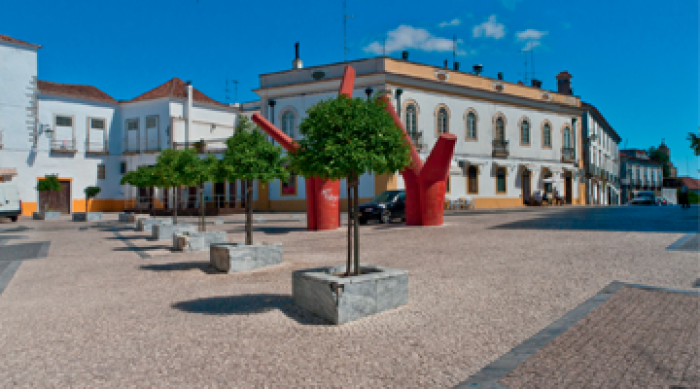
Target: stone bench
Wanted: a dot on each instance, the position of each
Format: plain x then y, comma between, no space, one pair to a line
167,230
46,215
198,240
146,225
237,257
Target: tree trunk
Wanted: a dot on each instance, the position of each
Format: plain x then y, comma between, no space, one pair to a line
356,222
350,209
87,200
248,212
176,203
201,205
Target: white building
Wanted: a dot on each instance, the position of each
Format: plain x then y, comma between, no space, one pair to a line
510,136
88,138
639,173
601,158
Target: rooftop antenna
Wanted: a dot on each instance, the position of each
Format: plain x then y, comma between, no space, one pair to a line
235,91
345,30
454,49
527,73
226,90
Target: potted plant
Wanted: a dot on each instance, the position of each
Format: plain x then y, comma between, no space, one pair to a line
346,137
48,184
249,156
90,192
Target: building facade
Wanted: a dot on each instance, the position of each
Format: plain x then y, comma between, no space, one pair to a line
639,173
601,146
87,138
511,137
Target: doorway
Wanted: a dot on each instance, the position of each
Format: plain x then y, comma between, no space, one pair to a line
568,188
525,183
59,201
219,194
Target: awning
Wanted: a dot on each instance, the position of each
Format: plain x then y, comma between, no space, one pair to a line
472,161
8,171
504,163
529,166
455,170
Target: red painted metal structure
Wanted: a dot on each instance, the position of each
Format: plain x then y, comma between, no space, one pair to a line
425,183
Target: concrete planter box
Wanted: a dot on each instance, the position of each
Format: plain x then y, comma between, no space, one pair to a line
198,240
167,230
147,224
343,299
87,217
131,217
46,215
236,257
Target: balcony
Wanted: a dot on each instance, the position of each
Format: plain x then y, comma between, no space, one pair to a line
417,140
567,154
63,146
97,148
204,146
500,148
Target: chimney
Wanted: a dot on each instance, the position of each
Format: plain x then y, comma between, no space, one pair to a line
297,64
456,66
404,55
536,83
500,75
446,64
478,69
564,83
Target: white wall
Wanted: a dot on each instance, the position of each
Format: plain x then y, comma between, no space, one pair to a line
18,69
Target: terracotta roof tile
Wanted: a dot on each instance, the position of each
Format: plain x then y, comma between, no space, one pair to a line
692,183
7,38
86,92
175,88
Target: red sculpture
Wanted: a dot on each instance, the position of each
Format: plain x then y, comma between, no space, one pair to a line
425,184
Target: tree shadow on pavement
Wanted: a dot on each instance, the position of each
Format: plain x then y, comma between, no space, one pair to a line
205,267
250,304
280,230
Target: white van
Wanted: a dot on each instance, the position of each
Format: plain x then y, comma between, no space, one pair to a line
10,204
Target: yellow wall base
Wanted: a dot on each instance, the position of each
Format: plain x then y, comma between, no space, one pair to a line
495,202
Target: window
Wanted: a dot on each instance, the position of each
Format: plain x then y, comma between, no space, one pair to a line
547,135
151,122
471,125
548,185
567,137
443,121
447,184
132,124
412,121
500,129
101,172
501,180
97,124
64,121
525,132
472,180
152,136
122,168
288,123
289,186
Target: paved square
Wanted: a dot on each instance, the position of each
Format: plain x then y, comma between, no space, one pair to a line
96,312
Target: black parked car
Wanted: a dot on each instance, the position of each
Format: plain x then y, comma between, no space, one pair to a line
385,207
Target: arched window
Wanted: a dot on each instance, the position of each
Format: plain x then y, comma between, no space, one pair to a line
471,125
501,180
547,135
288,123
443,121
525,132
567,137
472,180
500,129
412,121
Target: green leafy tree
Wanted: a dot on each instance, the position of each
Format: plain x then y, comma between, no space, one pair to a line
659,156
344,138
694,142
48,184
169,168
196,171
143,177
90,192
249,156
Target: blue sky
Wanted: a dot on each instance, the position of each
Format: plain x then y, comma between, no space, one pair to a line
637,61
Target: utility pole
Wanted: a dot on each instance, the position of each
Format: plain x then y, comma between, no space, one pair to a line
235,91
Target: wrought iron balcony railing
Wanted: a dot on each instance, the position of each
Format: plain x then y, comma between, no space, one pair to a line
63,146
567,154
500,148
97,148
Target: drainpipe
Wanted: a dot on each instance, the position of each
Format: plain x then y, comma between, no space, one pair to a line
188,114
272,104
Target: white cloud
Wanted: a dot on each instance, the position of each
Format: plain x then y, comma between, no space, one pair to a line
452,23
531,38
490,28
407,37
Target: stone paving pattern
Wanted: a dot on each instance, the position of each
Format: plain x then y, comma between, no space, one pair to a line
96,313
638,338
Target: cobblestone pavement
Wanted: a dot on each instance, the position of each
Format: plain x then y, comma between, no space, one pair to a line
96,312
638,338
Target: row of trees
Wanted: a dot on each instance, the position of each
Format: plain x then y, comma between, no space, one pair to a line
343,138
